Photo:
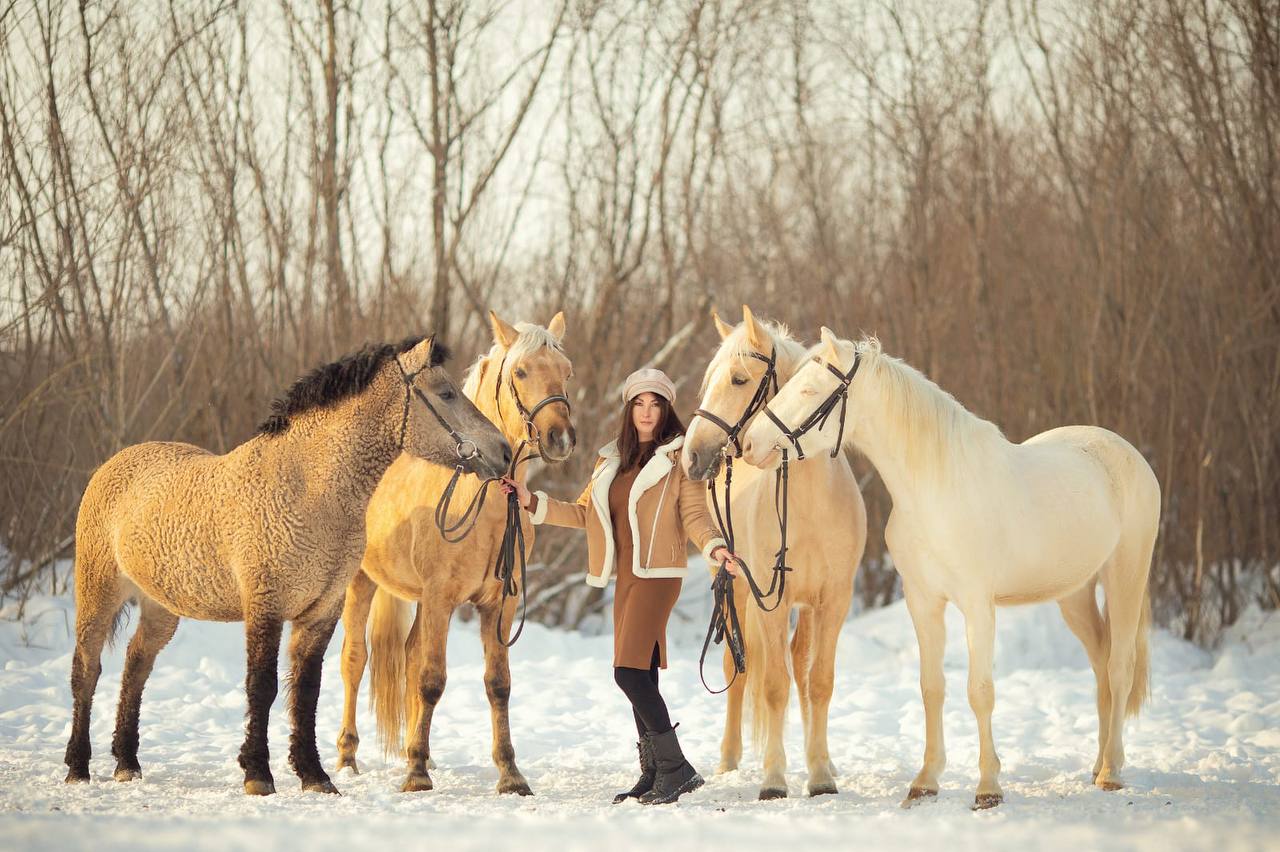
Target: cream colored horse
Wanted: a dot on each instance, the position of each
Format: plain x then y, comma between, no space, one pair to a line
824,548
406,559
982,522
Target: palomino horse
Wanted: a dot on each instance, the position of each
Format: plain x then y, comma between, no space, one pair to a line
407,559
982,522
823,547
270,532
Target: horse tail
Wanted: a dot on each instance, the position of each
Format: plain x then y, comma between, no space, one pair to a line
387,634
1141,688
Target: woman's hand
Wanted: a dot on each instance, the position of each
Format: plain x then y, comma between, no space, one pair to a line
507,484
730,560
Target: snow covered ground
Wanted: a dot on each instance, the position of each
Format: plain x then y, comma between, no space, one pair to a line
1204,758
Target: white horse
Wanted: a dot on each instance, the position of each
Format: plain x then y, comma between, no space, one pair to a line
823,547
980,522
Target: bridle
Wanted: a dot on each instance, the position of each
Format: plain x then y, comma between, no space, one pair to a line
768,386
839,396
465,448
724,626
512,554
532,435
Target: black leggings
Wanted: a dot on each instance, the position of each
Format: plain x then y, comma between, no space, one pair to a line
641,688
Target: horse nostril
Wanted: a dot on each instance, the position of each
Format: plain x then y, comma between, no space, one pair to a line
506,455
746,447
693,460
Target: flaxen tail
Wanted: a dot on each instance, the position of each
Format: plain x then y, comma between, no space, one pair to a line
1141,688
388,630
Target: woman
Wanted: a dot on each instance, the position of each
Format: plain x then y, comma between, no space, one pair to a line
638,510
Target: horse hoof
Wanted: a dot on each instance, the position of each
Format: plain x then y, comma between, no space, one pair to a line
770,793
827,789
916,795
259,787
347,763
75,777
417,784
1109,785
984,801
518,786
320,785
727,766
124,773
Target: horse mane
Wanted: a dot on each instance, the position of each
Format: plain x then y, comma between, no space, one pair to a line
738,345
928,418
346,377
532,337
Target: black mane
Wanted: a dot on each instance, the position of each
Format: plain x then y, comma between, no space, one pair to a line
346,377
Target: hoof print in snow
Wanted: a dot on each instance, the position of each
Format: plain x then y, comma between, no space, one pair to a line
986,801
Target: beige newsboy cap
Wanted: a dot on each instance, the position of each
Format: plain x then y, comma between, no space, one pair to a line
649,380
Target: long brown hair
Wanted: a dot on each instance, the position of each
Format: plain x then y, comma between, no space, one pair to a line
669,426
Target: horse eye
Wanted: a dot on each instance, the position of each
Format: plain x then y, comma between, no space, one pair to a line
520,373
446,394
739,380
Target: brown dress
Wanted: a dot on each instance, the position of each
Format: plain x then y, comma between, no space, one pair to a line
641,605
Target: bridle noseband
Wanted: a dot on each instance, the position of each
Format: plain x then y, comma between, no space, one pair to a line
819,416
465,448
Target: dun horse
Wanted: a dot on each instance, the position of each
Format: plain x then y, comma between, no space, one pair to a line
407,559
982,522
824,548
270,532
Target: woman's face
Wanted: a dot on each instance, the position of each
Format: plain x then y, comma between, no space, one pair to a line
646,413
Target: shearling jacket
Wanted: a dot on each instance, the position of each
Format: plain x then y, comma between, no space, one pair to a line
665,510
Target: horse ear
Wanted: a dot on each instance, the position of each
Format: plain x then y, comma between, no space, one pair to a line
721,326
556,326
756,334
425,354
831,341
503,332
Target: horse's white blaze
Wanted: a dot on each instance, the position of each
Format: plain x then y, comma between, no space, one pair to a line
980,521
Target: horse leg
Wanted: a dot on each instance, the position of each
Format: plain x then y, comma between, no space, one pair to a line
801,659
822,673
980,632
310,637
1080,612
156,626
426,672
731,743
262,629
355,653
1125,588
776,689
497,686
100,592
927,613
